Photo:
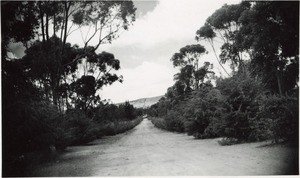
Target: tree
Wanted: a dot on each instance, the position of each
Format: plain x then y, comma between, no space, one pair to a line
127,110
270,31
53,61
51,71
264,32
44,65
224,24
207,33
188,61
18,15
97,73
175,91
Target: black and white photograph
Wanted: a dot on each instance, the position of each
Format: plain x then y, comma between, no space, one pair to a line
121,88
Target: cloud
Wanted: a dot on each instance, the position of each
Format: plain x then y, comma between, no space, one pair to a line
146,48
146,80
135,54
17,50
144,7
171,19
160,33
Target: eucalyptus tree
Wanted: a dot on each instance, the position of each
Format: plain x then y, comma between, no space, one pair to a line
188,61
83,91
15,84
222,26
266,32
270,32
54,63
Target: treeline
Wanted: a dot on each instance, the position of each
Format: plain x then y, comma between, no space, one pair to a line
50,95
259,99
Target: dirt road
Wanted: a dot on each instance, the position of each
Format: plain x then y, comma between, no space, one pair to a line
148,151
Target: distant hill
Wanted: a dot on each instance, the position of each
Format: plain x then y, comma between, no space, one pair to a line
144,102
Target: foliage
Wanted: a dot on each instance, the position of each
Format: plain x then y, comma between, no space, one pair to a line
272,29
53,64
167,115
117,127
174,121
224,24
79,128
246,106
30,126
228,141
38,128
264,32
203,112
127,111
106,113
283,114
238,109
242,93
159,122
48,102
188,60
18,15
259,30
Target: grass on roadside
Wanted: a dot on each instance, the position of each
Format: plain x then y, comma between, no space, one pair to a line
159,123
118,127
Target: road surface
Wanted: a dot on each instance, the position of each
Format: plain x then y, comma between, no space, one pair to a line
148,151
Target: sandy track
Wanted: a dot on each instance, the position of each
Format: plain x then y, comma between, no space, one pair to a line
148,151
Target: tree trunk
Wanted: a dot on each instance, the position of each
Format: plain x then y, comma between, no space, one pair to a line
54,24
196,84
54,84
279,83
54,96
47,27
67,103
62,30
42,24
67,7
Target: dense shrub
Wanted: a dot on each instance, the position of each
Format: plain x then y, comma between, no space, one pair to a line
238,109
242,93
214,128
159,122
78,127
34,130
282,116
197,126
168,114
30,127
107,113
202,112
127,111
108,119
228,141
117,127
261,128
174,121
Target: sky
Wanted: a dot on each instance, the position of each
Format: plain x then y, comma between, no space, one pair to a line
160,30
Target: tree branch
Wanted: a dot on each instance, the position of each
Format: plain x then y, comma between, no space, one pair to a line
212,45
